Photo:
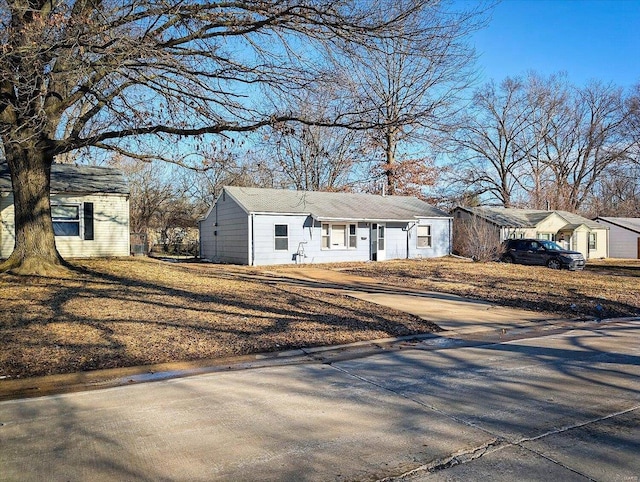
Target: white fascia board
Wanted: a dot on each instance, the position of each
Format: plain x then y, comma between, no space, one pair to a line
361,220
268,213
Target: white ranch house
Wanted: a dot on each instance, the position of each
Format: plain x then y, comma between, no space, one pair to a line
255,226
567,229
89,209
624,236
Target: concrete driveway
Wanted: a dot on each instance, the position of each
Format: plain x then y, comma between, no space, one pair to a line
454,314
557,407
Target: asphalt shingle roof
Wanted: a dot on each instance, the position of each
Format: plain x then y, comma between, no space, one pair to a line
333,205
527,218
69,178
632,224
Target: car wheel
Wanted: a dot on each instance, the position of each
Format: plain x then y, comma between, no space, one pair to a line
507,259
554,263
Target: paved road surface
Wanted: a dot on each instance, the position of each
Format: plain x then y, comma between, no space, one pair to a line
558,407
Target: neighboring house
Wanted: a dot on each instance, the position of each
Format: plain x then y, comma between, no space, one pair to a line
567,229
89,208
272,226
624,236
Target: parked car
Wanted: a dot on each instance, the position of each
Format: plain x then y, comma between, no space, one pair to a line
540,252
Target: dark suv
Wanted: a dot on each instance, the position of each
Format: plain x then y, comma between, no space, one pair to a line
540,252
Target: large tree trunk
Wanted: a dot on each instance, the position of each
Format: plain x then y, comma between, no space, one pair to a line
35,251
390,166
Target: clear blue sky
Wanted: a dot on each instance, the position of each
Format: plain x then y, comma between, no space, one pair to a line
589,39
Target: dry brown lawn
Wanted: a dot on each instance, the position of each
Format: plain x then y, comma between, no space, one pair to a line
605,289
137,311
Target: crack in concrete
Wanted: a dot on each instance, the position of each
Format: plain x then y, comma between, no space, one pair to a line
576,425
495,444
458,458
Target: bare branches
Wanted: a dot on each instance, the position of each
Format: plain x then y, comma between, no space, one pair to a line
178,68
542,142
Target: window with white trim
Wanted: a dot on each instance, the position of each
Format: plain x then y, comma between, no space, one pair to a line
66,219
424,236
281,236
339,236
593,241
74,220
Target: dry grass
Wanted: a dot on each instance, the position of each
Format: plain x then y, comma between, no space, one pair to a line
606,288
127,312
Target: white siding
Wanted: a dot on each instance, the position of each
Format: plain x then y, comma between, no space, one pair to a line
440,239
623,243
7,226
110,224
224,234
207,244
305,235
396,241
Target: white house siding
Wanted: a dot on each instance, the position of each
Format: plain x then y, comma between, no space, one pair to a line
305,236
623,242
225,233
305,241
440,238
7,225
110,227
396,240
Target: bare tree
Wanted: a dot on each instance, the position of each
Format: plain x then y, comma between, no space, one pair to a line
632,127
617,192
129,75
406,88
582,138
491,143
542,141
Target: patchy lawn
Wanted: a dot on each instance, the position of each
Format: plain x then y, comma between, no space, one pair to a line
138,311
606,288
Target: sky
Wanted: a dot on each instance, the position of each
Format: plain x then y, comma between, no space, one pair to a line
588,39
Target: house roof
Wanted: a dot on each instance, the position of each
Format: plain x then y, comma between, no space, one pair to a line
632,224
527,218
69,178
333,205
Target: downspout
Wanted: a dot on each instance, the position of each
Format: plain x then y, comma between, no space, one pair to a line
450,237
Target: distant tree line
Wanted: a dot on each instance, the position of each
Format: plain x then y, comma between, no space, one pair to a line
544,143
529,142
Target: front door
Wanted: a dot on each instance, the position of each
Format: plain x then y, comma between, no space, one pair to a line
373,238
377,237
